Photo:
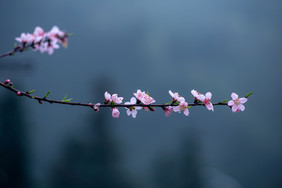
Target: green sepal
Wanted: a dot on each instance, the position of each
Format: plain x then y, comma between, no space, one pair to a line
249,94
70,34
176,103
65,99
225,101
46,95
32,91
169,102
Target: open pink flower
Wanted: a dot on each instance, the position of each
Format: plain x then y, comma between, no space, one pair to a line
196,95
39,34
26,38
49,47
183,106
116,99
147,100
133,109
139,94
143,97
115,113
207,101
237,103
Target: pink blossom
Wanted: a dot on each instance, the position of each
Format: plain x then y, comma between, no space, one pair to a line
115,113
116,99
147,100
49,47
96,107
168,111
196,94
143,97
176,97
25,38
133,109
139,95
183,106
55,33
237,103
39,34
206,100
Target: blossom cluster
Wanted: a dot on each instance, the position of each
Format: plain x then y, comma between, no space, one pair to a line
44,41
142,100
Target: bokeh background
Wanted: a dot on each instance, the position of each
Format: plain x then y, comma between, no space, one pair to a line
153,45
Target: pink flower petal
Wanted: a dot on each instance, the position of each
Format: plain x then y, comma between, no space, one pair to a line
230,103
208,95
243,100
234,96
234,108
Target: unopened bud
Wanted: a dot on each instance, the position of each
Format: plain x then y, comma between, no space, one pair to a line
7,81
19,93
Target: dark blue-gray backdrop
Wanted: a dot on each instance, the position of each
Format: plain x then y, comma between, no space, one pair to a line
121,46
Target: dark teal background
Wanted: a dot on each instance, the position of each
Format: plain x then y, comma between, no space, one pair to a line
158,45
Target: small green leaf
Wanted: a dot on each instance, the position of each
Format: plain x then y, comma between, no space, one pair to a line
32,91
225,101
15,45
33,97
189,106
65,97
147,93
46,95
67,100
70,34
169,102
249,94
176,103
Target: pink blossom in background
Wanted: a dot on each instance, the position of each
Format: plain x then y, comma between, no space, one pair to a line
39,34
25,38
55,33
115,113
237,103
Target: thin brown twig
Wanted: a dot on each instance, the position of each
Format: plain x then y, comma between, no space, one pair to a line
51,101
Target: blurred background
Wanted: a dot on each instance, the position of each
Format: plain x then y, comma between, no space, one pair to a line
153,45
